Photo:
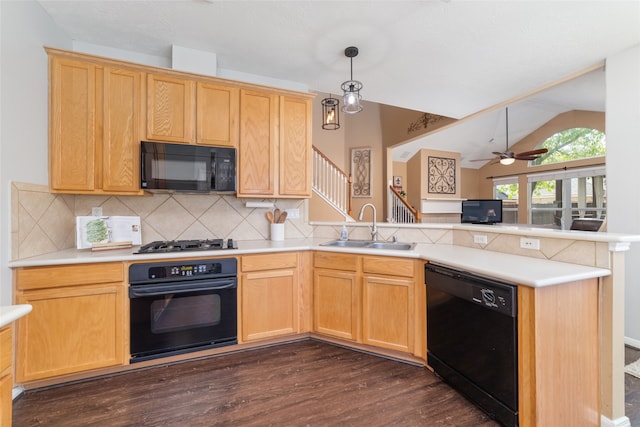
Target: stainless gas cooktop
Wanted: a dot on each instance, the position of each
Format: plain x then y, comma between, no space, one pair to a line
163,246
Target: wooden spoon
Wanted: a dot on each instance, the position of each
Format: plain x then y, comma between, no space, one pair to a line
270,217
276,215
282,218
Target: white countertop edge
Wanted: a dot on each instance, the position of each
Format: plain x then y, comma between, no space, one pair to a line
516,269
10,313
511,268
522,230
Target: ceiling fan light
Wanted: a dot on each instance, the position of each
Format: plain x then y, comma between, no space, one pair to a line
507,161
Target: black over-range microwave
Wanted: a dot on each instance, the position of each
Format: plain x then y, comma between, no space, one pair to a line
192,168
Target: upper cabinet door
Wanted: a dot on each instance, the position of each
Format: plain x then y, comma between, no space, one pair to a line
217,114
72,120
170,109
121,135
295,147
258,122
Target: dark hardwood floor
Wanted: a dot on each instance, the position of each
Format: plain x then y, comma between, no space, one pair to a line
305,383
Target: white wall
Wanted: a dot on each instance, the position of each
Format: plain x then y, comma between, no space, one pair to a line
623,174
25,29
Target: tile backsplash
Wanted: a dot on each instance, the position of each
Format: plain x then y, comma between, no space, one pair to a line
42,222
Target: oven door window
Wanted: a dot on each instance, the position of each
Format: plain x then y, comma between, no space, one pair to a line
172,314
178,321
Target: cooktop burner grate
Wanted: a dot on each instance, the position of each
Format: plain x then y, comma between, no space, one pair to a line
162,246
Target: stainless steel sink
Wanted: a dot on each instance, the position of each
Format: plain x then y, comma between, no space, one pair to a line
370,244
392,245
348,243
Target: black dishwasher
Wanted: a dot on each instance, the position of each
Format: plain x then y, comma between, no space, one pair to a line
472,338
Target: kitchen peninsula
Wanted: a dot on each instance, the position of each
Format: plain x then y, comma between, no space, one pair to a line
564,307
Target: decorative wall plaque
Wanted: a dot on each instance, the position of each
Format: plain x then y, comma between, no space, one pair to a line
441,175
361,172
424,122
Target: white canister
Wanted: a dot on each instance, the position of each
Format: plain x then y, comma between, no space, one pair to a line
277,231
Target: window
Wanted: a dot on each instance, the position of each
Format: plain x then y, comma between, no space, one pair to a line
557,198
506,189
572,144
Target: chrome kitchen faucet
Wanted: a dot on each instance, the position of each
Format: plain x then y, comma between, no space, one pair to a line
373,227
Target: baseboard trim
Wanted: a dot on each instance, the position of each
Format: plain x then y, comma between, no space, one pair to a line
618,422
17,392
632,342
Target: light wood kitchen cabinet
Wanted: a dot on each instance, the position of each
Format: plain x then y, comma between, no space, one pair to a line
94,129
275,145
336,295
77,322
171,103
373,300
6,379
72,125
388,303
295,147
182,110
217,115
269,296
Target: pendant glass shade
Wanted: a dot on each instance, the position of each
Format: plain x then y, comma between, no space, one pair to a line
351,100
330,114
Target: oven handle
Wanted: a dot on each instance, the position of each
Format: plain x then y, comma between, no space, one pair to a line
150,291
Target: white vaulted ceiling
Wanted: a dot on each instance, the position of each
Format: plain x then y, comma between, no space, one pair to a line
451,58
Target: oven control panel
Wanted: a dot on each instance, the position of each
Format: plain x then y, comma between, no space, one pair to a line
174,271
184,270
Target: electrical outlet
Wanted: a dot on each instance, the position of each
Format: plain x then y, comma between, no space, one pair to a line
293,213
96,211
480,239
527,243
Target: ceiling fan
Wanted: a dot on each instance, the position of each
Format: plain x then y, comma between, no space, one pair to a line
508,157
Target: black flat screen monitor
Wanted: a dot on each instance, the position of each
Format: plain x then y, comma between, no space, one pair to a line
485,211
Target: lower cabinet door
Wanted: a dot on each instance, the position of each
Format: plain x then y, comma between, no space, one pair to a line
6,390
387,313
269,304
69,330
336,304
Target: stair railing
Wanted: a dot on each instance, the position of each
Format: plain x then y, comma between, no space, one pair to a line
331,183
400,211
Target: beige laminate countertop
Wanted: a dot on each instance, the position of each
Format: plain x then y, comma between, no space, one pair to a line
506,267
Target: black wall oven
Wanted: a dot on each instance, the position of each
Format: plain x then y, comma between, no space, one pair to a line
180,307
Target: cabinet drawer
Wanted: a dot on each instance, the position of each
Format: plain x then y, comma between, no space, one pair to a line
68,275
5,349
336,261
388,265
270,261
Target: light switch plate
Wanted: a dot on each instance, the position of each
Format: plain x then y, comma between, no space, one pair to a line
293,213
96,211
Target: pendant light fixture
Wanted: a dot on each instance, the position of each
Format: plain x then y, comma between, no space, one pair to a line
330,113
351,88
